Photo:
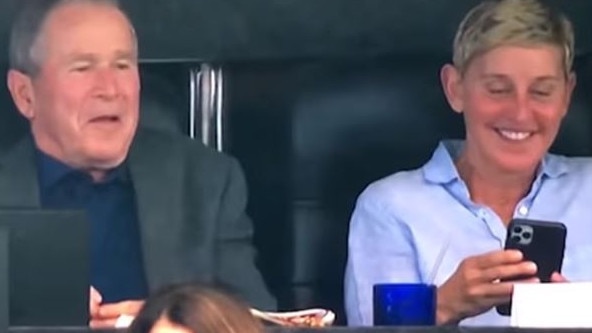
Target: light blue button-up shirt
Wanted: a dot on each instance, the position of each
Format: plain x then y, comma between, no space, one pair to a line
403,222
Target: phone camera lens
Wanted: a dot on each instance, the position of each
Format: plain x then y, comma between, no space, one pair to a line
516,239
526,235
517,230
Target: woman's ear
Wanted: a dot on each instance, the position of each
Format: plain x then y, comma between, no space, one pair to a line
451,79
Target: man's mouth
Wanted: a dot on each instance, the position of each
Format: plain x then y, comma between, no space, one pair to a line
105,119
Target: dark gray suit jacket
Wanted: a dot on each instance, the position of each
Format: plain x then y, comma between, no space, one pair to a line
191,209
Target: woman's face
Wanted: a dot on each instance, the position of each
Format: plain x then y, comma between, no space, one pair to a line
513,99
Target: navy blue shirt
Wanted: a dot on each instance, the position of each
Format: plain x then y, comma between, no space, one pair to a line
117,270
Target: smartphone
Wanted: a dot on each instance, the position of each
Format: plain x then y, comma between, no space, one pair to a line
541,242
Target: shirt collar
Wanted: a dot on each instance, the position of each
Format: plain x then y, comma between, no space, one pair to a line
440,169
51,171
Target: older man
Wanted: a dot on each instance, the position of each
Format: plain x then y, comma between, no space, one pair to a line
162,209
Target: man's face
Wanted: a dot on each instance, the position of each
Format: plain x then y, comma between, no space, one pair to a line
83,104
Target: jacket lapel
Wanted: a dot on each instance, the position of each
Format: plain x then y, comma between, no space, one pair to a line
158,181
18,177
157,185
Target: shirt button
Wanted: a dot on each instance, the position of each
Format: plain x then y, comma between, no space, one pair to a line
523,210
482,213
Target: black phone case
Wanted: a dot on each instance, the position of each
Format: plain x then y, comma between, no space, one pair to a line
541,242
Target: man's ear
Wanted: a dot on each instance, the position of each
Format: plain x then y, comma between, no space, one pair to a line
20,86
451,79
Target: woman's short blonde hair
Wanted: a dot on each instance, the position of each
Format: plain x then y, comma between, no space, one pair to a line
511,22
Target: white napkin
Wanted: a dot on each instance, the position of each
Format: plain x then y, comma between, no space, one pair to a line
301,318
124,321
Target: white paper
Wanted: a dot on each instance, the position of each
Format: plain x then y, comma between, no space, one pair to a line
124,321
552,305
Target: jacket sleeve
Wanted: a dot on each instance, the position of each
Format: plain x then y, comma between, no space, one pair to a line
235,253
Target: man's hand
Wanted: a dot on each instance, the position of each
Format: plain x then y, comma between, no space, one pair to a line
475,288
94,302
106,315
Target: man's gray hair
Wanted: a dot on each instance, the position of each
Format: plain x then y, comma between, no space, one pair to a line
24,51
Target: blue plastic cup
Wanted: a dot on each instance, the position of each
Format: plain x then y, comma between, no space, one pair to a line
404,304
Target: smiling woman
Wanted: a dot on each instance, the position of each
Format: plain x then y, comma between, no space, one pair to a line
511,79
513,99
